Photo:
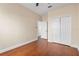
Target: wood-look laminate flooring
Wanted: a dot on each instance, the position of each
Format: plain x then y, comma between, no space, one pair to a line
41,47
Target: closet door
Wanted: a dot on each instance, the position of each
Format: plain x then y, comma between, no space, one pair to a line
56,29
60,30
65,29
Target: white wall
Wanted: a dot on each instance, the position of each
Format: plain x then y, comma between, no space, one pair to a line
17,25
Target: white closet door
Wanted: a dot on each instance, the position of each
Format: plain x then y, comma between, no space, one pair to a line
61,30
56,29
66,29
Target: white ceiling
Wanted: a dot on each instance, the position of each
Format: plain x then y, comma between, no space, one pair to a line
43,9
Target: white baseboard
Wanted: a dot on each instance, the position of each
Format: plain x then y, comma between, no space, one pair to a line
78,49
16,46
75,46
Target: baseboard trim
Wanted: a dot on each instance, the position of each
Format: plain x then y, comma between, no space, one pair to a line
78,49
74,46
16,46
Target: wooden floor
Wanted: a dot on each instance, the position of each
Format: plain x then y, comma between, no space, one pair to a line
42,48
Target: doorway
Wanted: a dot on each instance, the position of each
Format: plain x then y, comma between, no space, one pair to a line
42,29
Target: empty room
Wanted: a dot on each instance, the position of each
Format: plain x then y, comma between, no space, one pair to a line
39,29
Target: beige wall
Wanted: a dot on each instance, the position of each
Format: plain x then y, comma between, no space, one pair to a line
71,10
17,25
45,17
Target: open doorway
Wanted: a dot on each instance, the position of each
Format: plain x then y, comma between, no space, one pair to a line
42,29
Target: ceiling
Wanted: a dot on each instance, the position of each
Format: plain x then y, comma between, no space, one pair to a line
42,8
